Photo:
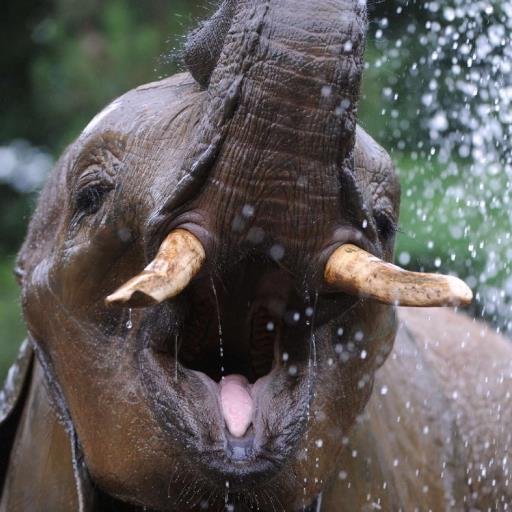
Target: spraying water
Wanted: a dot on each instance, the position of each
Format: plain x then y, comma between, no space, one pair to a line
176,358
445,73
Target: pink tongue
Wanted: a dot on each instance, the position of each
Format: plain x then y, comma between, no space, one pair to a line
236,404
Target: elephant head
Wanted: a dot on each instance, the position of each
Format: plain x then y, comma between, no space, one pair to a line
232,367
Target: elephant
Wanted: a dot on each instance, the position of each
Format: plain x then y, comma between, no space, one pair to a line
210,301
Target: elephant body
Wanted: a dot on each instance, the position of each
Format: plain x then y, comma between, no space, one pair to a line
434,436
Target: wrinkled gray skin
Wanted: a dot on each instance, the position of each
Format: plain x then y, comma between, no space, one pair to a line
257,154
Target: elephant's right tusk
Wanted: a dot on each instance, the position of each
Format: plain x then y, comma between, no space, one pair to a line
179,259
357,272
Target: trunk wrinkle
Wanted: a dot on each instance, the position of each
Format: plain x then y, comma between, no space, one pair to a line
220,108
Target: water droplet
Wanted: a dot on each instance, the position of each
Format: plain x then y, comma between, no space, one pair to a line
248,211
277,252
326,91
404,258
292,370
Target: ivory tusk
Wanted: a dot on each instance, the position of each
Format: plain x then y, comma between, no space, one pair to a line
357,272
179,259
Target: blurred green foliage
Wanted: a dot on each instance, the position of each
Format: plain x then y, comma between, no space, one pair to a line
90,52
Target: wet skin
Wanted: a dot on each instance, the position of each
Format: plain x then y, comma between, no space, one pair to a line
262,161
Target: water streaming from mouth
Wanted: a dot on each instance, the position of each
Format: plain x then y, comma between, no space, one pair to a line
221,341
176,358
227,506
129,323
318,442
313,337
312,367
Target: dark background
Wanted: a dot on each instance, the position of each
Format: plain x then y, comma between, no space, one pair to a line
62,61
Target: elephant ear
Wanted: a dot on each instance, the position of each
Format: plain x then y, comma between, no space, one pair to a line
12,399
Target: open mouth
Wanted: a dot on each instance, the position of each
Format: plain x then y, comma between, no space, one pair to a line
239,325
239,332
238,354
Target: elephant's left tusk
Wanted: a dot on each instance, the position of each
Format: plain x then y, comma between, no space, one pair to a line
179,259
357,272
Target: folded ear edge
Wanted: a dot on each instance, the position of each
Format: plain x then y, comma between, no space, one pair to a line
12,400
204,44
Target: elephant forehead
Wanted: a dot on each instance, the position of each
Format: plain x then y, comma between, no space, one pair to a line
96,120
153,106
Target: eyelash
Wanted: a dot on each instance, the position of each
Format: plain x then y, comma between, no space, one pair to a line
89,199
386,226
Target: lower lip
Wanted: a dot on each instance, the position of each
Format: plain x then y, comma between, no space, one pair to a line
240,450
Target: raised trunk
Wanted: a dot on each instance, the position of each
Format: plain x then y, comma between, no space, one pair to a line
278,132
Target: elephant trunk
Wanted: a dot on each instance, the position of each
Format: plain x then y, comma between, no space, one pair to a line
303,80
280,120
298,64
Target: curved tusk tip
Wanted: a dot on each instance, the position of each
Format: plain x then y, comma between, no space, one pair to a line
179,259
130,298
118,297
461,292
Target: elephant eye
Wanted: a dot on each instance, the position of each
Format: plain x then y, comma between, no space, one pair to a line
386,227
89,199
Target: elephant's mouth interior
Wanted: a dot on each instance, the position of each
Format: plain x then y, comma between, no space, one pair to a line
242,324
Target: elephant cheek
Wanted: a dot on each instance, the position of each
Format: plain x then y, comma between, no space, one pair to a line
121,457
87,272
38,297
